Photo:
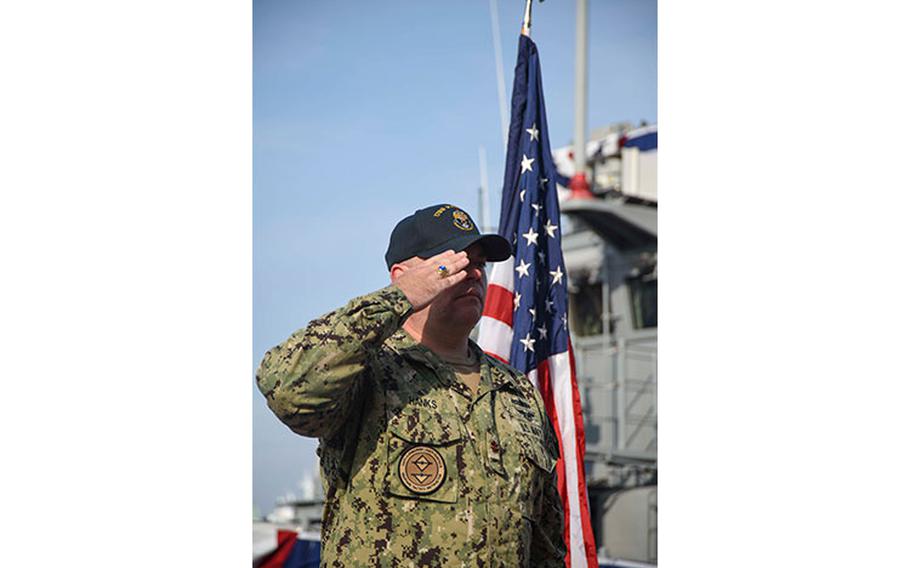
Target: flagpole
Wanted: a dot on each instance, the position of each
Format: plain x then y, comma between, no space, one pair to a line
526,24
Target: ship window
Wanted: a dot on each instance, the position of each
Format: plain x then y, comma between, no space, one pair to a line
586,308
643,294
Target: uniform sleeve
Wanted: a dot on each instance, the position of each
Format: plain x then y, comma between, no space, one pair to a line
548,547
311,380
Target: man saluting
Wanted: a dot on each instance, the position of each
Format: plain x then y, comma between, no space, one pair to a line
432,452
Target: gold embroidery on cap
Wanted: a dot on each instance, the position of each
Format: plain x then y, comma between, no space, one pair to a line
422,470
462,221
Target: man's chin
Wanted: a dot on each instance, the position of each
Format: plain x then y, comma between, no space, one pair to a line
472,303
468,312
471,298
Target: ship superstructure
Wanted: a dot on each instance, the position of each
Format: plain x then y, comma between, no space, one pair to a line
610,248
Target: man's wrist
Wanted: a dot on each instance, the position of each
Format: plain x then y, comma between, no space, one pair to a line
398,302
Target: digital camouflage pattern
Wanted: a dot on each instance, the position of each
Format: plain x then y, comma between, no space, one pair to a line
371,394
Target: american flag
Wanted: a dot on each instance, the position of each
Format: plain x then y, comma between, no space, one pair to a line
525,320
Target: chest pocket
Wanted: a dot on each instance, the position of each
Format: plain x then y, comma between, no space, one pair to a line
424,448
536,453
527,432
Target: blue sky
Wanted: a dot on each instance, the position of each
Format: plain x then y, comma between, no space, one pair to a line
366,111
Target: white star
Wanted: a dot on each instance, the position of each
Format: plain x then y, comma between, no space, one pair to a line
542,331
522,268
526,164
521,195
531,236
549,306
516,301
533,313
528,342
557,275
542,256
536,207
533,132
565,322
543,181
550,229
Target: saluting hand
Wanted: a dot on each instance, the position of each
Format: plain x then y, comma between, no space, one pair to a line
420,279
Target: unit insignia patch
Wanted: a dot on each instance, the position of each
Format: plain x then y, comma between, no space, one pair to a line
422,470
462,221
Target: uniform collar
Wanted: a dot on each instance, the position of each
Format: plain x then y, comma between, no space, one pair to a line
499,375
402,343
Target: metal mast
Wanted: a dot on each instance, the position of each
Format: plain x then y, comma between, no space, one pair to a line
579,183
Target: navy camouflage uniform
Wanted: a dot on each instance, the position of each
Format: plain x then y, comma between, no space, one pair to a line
417,470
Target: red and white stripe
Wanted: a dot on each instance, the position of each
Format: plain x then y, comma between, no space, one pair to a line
555,379
495,335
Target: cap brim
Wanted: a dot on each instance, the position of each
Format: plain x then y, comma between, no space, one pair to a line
495,247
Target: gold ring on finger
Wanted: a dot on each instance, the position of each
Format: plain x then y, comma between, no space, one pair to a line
442,271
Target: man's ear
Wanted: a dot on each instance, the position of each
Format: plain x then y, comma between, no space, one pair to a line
400,268
396,271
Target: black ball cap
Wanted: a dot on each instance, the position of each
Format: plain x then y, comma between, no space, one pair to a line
439,228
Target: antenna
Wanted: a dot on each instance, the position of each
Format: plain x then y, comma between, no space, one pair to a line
500,75
484,192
